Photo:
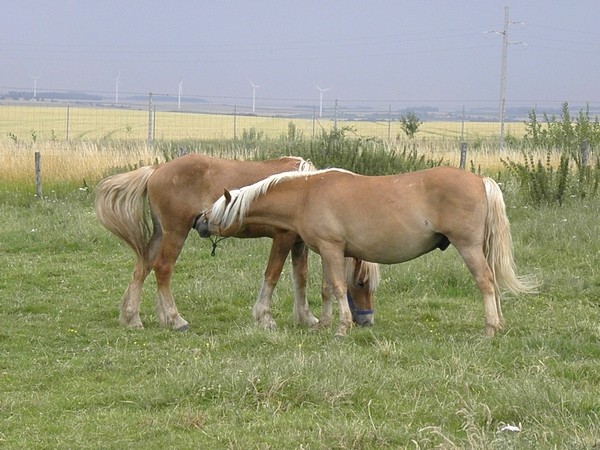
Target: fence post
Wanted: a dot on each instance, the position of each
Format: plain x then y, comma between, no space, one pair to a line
335,116
390,124
463,155
585,153
234,122
150,117
68,119
38,175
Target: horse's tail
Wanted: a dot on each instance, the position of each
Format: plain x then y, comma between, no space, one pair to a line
120,207
362,272
498,245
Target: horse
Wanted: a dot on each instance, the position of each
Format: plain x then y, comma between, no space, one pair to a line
383,219
176,192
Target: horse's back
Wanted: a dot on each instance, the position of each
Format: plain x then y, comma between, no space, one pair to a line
421,210
180,189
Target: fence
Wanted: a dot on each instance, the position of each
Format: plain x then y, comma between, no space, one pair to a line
161,118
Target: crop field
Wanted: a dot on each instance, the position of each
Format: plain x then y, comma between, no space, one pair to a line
60,123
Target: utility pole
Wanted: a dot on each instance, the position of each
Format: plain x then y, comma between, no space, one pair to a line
503,76
503,71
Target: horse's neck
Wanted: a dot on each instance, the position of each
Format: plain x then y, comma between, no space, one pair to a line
276,208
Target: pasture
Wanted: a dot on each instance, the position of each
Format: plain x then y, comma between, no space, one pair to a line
423,377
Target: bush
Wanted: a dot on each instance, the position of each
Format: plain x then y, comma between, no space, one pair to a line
541,184
367,156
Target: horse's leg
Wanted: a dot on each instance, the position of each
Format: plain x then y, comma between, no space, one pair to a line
282,244
129,312
301,312
327,303
332,258
479,268
163,265
499,310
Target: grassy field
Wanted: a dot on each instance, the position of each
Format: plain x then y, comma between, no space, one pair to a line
423,377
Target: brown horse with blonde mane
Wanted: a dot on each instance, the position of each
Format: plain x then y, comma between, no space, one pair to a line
385,219
176,192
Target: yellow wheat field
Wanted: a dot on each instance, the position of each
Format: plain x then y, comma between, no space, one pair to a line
61,123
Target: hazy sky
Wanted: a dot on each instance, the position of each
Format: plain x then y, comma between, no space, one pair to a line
367,51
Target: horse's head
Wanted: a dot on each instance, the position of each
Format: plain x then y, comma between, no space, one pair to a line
360,301
209,222
201,225
361,286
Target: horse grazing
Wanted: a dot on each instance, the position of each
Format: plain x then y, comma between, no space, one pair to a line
176,192
384,219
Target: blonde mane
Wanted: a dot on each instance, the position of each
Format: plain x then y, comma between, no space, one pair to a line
368,271
224,214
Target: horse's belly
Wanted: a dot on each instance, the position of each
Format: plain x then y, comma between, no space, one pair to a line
392,251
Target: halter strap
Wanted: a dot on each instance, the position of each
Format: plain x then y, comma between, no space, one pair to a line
213,241
360,312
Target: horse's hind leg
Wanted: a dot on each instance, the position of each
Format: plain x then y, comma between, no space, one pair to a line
167,254
129,312
327,303
484,279
301,312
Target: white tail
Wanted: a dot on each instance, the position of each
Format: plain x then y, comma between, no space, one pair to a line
120,207
498,245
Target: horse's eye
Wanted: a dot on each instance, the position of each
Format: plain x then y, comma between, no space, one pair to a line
360,284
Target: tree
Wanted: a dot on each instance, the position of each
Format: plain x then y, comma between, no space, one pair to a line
410,124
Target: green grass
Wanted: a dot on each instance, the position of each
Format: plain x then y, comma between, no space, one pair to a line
423,377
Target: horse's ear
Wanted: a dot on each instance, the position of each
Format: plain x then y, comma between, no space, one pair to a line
227,196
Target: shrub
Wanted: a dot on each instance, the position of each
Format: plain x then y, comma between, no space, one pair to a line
541,184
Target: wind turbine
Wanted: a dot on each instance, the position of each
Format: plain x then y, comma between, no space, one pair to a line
254,88
179,94
117,84
321,99
35,85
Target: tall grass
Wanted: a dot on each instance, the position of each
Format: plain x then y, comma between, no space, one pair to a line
91,161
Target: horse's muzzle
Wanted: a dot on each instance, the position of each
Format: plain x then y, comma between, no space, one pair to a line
201,226
363,319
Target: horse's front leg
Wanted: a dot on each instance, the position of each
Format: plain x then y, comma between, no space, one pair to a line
167,255
332,257
280,248
301,311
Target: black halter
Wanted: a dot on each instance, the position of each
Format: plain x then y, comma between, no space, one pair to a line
213,240
358,312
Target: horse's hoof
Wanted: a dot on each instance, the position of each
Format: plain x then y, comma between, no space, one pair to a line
490,331
266,324
312,322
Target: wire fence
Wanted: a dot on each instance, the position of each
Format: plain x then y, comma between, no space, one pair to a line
148,118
